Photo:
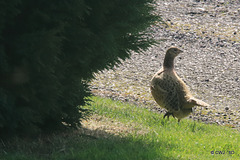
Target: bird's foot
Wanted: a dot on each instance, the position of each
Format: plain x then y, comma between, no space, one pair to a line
168,114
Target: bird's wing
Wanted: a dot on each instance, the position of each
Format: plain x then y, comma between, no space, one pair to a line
173,98
170,90
197,102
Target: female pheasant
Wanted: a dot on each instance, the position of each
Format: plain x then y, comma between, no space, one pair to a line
169,90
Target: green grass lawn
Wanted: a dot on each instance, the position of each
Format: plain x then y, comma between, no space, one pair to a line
119,131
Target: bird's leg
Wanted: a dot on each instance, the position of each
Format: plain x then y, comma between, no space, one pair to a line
166,114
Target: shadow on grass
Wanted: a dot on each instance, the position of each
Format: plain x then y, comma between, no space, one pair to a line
84,144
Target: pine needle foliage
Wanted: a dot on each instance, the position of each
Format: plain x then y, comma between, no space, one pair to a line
49,50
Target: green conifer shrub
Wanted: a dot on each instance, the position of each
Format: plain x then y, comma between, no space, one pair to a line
49,50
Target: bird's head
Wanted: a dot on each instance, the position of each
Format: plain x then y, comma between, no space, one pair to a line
173,51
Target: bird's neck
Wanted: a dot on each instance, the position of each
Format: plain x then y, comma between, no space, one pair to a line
168,62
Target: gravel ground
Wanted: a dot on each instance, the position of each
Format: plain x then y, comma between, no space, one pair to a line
209,33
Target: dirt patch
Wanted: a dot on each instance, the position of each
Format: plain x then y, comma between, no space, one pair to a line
100,126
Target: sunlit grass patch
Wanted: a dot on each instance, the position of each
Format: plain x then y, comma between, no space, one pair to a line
123,131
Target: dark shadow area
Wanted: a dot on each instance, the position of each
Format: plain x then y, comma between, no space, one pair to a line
83,144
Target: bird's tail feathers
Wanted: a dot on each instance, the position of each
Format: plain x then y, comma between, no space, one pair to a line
198,102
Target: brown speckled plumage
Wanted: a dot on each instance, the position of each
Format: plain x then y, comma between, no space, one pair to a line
169,90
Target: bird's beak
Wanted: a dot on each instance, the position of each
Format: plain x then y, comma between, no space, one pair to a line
180,51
